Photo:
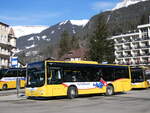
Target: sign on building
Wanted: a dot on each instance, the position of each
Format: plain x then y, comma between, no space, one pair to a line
14,62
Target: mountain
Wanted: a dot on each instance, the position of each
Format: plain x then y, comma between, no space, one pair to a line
26,30
126,3
35,44
51,34
122,20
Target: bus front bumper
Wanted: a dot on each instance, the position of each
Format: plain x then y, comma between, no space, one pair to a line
34,92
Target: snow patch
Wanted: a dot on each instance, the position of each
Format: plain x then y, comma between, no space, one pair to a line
31,53
33,45
64,22
44,37
126,3
79,22
38,37
73,30
32,38
26,30
76,22
52,32
48,39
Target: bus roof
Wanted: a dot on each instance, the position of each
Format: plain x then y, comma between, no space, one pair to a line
57,63
79,63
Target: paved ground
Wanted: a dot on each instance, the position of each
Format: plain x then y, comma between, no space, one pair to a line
137,101
10,92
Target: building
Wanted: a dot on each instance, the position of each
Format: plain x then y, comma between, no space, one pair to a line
7,44
133,48
75,55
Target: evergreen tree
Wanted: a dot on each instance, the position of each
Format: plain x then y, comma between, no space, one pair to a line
46,51
74,42
144,19
100,48
64,44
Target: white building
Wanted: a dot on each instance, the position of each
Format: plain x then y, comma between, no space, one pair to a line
133,48
7,44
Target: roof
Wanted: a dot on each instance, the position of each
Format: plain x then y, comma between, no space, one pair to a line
11,32
78,53
125,35
143,26
4,24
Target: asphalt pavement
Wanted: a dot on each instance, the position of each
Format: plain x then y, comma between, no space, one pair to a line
136,101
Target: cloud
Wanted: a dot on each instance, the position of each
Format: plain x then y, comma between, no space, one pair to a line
103,6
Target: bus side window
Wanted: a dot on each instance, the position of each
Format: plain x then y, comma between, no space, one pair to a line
56,77
147,74
108,74
11,73
89,75
121,73
98,75
67,76
21,73
81,77
72,76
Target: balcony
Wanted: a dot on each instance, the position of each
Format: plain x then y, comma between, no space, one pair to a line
127,48
119,49
137,39
145,38
119,56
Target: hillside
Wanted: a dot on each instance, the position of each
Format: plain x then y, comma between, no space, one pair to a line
121,20
45,44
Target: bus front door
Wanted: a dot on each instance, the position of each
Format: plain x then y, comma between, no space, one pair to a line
56,83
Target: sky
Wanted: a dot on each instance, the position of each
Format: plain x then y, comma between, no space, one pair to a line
50,12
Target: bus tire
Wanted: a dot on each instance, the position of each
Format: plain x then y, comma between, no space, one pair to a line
4,87
109,90
72,92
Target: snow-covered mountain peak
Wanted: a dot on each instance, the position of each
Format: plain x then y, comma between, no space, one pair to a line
75,22
126,3
79,22
26,30
64,22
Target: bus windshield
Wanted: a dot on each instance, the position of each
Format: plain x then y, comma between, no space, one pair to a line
35,74
137,75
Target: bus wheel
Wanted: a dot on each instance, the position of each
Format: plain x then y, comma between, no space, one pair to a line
72,92
109,90
4,87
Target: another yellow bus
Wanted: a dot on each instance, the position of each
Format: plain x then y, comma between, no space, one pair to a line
9,76
139,77
51,78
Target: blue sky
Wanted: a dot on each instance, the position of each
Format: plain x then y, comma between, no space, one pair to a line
50,12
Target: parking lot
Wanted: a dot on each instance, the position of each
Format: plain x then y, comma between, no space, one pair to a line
136,101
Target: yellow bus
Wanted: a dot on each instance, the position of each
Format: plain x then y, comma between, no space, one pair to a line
147,75
51,78
9,76
139,77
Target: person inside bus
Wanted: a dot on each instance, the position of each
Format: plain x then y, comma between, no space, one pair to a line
74,79
54,77
99,75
